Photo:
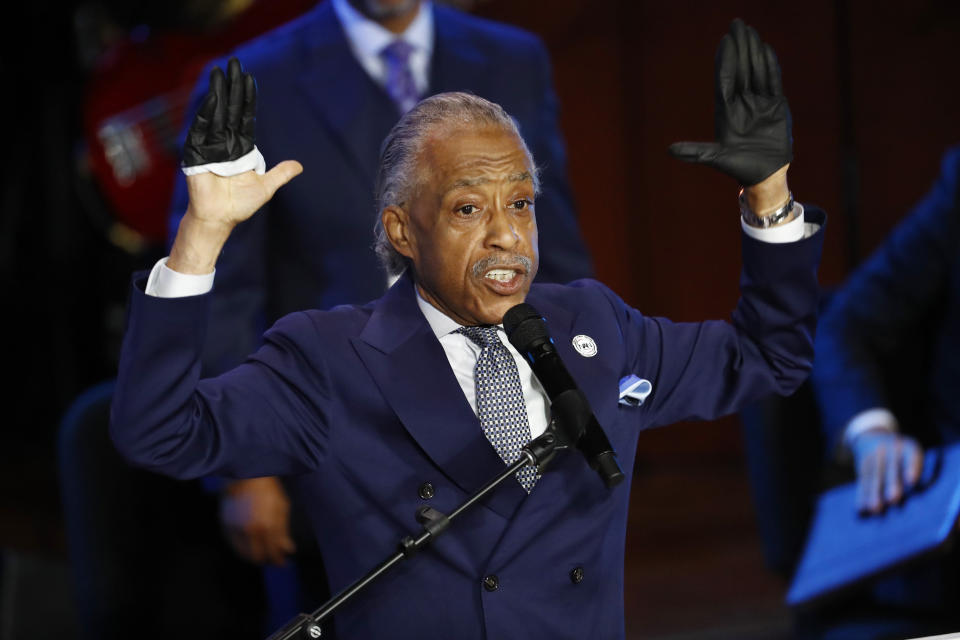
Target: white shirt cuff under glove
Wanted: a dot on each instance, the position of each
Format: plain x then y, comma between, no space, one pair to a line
791,231
252,161
875,418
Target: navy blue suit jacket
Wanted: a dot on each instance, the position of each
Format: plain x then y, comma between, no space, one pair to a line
906,297
361,404
311,247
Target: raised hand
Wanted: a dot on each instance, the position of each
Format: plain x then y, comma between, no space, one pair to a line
752,122
888,464
218,158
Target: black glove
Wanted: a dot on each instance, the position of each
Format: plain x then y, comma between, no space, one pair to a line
751,119
223,129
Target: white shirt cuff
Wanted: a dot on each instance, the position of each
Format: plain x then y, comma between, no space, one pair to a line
875,418
791,231
164,282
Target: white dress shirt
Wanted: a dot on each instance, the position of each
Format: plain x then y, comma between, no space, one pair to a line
796,229
367,39
462,353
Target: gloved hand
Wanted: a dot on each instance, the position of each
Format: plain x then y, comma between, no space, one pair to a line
226,181
224,128
888,464
752,122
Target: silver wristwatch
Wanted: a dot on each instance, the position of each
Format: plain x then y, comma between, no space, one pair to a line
768,220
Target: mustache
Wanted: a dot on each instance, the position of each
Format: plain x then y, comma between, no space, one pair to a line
483,265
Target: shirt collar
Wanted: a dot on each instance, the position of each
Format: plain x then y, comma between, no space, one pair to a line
368,38
439,322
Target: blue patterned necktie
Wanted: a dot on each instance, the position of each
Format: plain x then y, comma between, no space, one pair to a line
399,84
500,404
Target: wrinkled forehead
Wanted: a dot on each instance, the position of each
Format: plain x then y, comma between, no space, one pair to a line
463,156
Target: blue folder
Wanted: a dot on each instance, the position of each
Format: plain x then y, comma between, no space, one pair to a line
844,548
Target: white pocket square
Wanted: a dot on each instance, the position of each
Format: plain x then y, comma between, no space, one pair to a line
634,390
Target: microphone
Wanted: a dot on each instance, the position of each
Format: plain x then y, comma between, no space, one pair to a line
527,332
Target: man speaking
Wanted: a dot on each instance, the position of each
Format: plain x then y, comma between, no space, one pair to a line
418,398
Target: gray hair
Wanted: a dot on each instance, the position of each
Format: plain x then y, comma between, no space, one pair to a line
399,175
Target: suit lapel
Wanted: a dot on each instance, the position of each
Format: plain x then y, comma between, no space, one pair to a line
412,372
356,111
564,325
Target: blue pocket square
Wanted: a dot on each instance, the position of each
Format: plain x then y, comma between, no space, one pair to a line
634,390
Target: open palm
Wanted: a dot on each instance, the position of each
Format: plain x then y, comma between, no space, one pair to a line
231,200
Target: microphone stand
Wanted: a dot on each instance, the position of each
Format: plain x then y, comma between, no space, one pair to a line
568,421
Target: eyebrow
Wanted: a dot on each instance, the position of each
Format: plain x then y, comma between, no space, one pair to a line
472,182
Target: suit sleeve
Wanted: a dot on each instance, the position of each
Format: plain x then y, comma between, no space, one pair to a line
883,302
563,253
706,370
238,305
265,417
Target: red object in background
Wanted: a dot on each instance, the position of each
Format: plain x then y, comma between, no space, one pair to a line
135,105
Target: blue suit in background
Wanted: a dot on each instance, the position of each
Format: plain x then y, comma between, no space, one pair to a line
361,405
311,247
891,338
906,296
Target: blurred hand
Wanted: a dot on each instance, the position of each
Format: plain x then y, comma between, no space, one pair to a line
752,122
888,464
255,514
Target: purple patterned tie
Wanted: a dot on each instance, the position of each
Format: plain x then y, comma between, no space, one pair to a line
400,85
500,404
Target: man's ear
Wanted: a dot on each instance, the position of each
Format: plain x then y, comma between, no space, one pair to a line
396,224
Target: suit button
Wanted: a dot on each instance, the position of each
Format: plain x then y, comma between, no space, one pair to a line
491,583
576,576
426,491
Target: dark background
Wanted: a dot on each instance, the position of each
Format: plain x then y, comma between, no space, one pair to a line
875,99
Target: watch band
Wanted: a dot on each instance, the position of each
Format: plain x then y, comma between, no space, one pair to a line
769,220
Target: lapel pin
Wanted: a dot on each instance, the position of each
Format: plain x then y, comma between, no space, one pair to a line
585,346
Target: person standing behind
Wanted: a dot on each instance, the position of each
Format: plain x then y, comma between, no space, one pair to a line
903,299
331,85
